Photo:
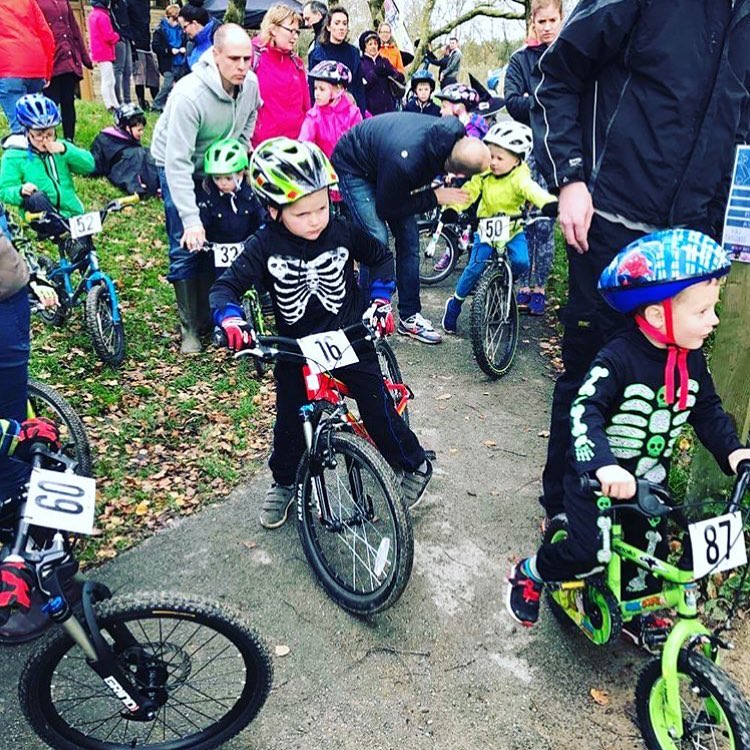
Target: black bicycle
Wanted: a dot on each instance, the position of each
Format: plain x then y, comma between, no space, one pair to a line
148,670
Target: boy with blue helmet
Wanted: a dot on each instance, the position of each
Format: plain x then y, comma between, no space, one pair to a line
421,88
37,170
642,387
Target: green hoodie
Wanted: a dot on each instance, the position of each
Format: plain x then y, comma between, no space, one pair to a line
51,173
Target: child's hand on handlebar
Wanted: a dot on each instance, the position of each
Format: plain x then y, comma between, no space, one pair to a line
44,292
28,188
379,315
240,334
741,454
16,582
617,483
38,430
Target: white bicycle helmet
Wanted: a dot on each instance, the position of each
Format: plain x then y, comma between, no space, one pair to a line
512,136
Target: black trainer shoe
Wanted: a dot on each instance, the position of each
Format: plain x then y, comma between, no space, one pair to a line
522,596
414,483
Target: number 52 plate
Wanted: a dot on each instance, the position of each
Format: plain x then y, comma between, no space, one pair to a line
718,544
61,501
85,225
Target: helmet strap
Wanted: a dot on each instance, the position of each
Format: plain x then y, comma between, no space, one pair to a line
676,355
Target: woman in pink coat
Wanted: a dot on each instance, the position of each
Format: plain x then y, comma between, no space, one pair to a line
103,38
281,76
334,111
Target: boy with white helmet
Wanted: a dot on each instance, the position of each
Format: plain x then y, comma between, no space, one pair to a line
504,188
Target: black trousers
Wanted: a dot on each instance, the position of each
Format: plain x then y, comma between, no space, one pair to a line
398,444
588,323
62,91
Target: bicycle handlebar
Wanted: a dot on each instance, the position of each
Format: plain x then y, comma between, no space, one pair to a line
114,205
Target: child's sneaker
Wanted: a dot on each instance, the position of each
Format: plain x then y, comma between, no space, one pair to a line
536,303
450,316
275,506
443,262
419,328
414,483
523,298
522,596
648,631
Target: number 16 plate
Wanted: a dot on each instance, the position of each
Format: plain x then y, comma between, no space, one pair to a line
61,501
718,544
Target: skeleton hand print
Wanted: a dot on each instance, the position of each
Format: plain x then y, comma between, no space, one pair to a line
582,444
297,280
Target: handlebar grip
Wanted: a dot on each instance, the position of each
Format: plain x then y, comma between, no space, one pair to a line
743,466
219,338
550,210
130,200
35,216
590,484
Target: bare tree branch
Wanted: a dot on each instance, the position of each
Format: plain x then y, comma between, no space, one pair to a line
478,10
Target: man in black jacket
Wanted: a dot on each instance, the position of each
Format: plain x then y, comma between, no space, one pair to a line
385,166
640,105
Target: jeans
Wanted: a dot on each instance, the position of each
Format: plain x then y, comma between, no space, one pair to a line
11,90
588,323
359,196
481,252
123,68
166,88
15,313
182,263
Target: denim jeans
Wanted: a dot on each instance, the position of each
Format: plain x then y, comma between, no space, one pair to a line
123,70
11,90
166,87
518,255
182,263
359,196
14,361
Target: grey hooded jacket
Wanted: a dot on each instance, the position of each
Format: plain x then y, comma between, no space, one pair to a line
198,112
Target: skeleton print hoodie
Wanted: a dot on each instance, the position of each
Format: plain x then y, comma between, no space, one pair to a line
311,282
620,415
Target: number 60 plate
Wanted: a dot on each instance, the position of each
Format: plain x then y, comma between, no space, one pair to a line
61,501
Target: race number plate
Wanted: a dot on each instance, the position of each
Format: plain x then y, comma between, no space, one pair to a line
494,229
718,544
226,254
61,501
328,350
85,225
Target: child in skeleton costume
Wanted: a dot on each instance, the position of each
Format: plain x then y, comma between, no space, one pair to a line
305,260
642,387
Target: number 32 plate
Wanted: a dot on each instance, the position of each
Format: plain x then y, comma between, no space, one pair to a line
225,254
61,501
718,544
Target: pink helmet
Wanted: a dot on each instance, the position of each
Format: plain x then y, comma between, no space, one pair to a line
331,71
460,93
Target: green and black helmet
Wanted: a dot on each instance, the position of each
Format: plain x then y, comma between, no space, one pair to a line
282,171
225,156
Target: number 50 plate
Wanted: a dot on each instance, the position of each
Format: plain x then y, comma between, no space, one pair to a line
718,544
494,229
61,501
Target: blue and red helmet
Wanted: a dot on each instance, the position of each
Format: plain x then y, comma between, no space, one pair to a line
659,266
37,112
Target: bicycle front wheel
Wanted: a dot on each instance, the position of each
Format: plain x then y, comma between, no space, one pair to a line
390,369
208,671
445,255
47,402
494,322
714,712
363,554
107,336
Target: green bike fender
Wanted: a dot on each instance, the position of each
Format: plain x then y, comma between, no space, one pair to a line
682,632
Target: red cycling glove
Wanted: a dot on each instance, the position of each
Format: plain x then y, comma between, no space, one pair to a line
240,334
16,582
40,429
379,315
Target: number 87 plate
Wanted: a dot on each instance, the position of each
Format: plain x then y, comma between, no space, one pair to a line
718,544
62,501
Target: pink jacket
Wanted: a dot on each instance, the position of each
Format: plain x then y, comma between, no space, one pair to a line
325,125
283,88
102,36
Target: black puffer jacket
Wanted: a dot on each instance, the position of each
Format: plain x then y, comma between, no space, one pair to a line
645,100
399,153
521,78
139,15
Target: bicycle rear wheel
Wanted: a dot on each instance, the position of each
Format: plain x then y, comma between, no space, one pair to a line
494,321
390,369
107,336
45,401
209,672
363,556
447,246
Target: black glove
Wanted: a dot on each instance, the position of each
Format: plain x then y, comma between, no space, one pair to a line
550,209
449,216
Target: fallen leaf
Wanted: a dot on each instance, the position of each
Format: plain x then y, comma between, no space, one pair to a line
282,650
490,443
601,697
444,397
250,544
452,450
543,433
142,508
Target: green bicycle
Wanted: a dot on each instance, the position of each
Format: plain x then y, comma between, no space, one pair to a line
683,698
